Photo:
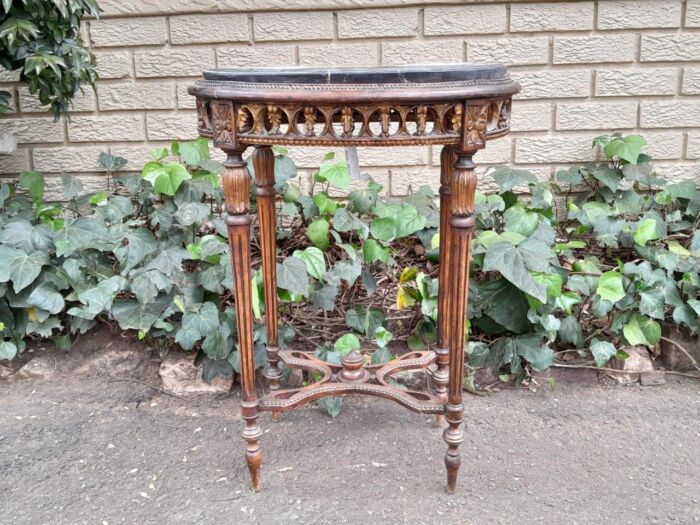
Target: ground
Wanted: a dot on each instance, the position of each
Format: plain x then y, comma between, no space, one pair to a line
89,449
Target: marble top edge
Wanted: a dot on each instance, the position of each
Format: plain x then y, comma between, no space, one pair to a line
415,73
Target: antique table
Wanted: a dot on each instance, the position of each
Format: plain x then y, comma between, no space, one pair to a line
458,106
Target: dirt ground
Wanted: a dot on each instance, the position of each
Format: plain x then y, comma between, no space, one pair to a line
88,449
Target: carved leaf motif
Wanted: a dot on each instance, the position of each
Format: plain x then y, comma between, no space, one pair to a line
202,117
275,117
309,120
476,122
457,118
348,123
222,116
422,117
504,115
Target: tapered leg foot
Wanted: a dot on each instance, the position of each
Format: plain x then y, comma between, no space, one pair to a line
439,420
453,436
276,416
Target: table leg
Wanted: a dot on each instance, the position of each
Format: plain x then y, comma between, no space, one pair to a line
448,157
236,182
461,223
264,164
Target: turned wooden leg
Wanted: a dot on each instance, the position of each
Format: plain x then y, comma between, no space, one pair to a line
448,157
461,223
264,164
236,182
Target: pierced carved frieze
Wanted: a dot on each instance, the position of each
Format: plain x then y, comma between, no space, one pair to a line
365,125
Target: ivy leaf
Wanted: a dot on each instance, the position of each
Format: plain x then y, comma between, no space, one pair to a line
336,173
383,229
508,178
324,297
610,286
348,270
332,405
140,244
520,220
317,232
347,343
216,344
72,186
293,277
33,182
570,331
194,153
192,212
508,260
627,148
602,352
315,261
19,267
8,350
408,221
132,315
646,231
344,221
326,205
651,303
538,355
641,330
381,355
46,297
166,179
373,251
608,177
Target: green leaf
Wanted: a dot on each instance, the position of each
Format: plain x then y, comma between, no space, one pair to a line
521,221
317,232
72,186
33,182
681,190
538,355
166,179
140,243
383,229
326,205
408,221
627,148
646,231
508,260
46,297
197,325
8,350
193,153
651,303
609,177
373,251
132,315
347,343
332,405
602,352
641,330
610,286
570,331
315,261
336,173
293,277
324,297
19,267
381,355
508,178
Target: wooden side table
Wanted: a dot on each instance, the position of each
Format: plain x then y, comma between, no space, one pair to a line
459,106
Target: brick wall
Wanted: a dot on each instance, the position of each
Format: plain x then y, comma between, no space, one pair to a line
586,68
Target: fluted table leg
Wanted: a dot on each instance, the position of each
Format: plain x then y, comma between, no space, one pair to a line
264,164
461,223
236,182
448,158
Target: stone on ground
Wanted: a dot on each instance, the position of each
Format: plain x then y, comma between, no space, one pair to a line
672,357
638,360
180,376
39,367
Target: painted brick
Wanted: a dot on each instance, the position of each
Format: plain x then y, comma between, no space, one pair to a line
634,82
146,95
692,13
113,64
9,76
409,180
370,23
691,81
339,55
664,145
258,56
92,182
668,48
416,51
34,130
679,172
14,163
73,159
530,116
369,157
169,126
553,83
588,49
184,99
127,32
559,16
642,14
670,113
562,148
136,156
202,29
693,151
510,51
592,115
309,25
173,62
460,20
83,101
103,128
12,101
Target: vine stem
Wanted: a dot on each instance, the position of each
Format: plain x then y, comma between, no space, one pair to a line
590,367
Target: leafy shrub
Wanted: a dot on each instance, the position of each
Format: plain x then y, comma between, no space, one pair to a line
42,39
620,257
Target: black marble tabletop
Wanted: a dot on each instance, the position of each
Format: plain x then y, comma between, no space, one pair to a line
422,73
